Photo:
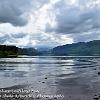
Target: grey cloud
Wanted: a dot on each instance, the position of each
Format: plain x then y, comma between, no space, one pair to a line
41,39
11,37
16,11
86,36
3,38
44,40
73,19
19,35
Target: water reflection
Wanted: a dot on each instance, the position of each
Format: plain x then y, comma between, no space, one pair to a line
64,75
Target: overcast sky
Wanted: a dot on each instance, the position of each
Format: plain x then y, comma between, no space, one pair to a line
48,23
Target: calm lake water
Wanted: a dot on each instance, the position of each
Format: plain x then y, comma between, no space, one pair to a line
75,78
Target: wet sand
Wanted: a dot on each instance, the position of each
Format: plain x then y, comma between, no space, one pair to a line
51,78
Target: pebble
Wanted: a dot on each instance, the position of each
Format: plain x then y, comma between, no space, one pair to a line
55,98
37,98
98,72
45,77
96,97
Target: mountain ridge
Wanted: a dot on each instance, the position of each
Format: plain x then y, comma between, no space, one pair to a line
90,48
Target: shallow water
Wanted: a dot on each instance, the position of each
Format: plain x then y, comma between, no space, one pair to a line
75,78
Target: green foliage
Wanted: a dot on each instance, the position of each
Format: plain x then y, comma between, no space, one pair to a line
8,51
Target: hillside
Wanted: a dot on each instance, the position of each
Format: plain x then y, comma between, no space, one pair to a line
27,51
8,51
91,48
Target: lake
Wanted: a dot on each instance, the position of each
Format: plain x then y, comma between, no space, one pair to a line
50,78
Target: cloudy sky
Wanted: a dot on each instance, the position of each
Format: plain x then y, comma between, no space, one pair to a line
48,23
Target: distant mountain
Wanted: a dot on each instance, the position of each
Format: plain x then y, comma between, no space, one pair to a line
91,48
44,51
27,51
